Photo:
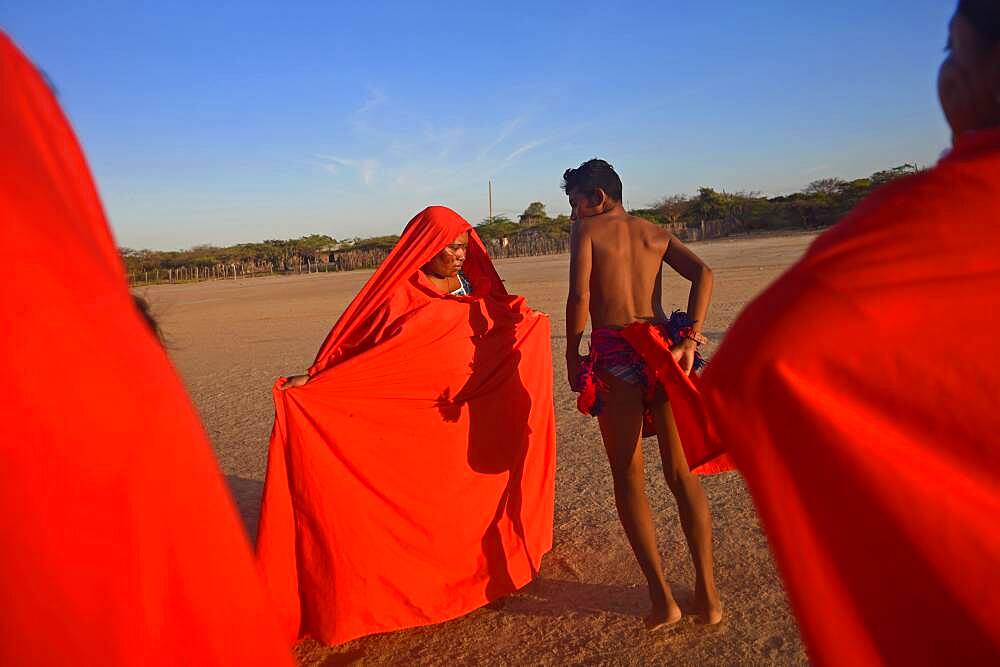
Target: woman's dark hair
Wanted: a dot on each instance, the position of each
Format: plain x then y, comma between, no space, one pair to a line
143,307
590,176
984,15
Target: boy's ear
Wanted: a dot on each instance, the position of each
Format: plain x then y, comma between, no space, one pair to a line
601,201
598,199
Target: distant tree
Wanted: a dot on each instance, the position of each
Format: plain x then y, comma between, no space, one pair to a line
497,227
496,220
825,187
554,228
651,214
709,205
887,175
534,214
672,209
317,241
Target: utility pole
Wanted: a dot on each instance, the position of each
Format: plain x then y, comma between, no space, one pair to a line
491,201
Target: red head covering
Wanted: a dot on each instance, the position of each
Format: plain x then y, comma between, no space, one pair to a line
427,234
411,480
121,545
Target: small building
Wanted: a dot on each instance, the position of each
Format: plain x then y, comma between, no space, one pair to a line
324,255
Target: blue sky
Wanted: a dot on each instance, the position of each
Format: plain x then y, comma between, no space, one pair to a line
228,122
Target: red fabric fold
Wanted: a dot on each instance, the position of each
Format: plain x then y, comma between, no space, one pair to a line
411,480
859,397
704,452
121,545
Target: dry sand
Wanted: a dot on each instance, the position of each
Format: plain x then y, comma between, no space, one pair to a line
230,339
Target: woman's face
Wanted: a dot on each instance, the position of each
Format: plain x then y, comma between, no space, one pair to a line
449,261
969,79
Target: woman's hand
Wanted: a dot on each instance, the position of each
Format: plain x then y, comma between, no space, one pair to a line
683,353
295,381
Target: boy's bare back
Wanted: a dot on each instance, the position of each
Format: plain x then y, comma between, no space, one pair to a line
615,265
626,255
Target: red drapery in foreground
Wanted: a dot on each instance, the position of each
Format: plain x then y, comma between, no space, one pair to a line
704,453
860,398
120,544
411,480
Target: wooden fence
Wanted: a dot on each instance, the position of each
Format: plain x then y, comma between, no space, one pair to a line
352,260
186,274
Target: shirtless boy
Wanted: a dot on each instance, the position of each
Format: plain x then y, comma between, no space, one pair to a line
615,266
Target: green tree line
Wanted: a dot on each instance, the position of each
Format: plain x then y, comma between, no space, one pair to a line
818,205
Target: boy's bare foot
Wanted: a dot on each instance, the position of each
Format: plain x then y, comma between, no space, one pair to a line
712,614
709,606
662,618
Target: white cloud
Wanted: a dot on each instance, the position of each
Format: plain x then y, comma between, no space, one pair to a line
366,168
524,148
505,132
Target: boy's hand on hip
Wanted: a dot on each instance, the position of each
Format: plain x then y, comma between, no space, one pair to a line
683,353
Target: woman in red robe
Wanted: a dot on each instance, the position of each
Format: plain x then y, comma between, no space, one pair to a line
860,398
121,545
410,478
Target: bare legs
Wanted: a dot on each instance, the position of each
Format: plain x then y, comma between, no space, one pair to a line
696,520
621,428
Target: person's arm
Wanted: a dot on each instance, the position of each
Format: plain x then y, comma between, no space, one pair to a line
578,300
680,258
295,381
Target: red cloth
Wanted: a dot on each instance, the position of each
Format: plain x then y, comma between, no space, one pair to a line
702,449
411,480
121,545
859,397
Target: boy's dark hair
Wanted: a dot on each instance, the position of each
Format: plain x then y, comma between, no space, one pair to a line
984,15
590,176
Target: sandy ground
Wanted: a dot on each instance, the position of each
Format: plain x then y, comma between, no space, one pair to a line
230,339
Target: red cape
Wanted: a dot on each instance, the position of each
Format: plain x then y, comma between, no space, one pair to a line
702,449
411,480
121,545
860,398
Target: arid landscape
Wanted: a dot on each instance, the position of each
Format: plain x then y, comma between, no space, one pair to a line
230,339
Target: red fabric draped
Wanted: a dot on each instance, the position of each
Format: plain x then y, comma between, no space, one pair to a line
702,449
411,480
860,398
121,545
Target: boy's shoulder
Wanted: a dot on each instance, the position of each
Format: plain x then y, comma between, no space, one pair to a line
646,224
598,223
